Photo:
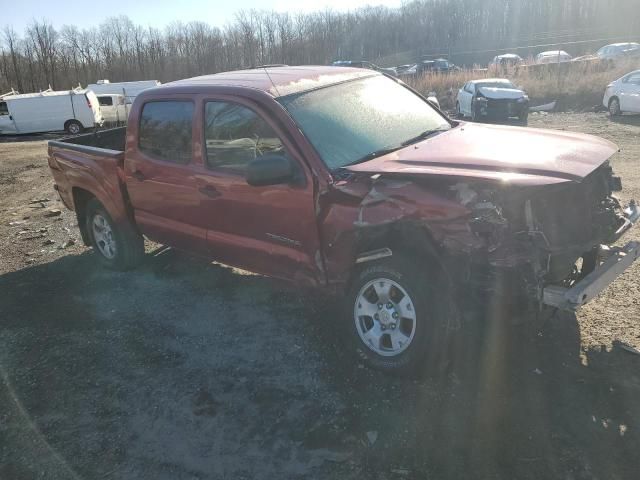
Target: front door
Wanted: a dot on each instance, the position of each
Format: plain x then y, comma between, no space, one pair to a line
270,229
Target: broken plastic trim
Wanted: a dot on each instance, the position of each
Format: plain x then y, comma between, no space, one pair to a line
374,255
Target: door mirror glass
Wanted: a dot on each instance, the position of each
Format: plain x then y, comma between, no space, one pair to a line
270,169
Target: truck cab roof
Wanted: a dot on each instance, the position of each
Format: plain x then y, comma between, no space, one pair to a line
276,81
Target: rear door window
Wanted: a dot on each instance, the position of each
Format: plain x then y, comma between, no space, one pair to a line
165,130
105,101
634,78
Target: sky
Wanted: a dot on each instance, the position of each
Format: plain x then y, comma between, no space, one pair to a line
158,13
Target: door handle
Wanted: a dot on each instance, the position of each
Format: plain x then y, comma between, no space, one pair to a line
138,175
210,191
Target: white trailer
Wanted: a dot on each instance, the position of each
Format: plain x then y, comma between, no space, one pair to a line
49,111
130,90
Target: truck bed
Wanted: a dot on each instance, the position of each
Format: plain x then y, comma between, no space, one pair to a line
90,165
109,142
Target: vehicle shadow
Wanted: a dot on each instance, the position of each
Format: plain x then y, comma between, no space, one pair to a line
628,119
106,372
520,399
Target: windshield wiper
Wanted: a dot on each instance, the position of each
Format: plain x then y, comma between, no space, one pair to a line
384,151
375,154
422,136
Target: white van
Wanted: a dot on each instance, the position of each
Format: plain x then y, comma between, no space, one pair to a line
113,107
48,111
129,89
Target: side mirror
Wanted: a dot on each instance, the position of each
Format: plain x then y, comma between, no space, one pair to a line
433,101
270,169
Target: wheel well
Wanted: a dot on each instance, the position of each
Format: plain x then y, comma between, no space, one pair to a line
402,238
613,97
81,198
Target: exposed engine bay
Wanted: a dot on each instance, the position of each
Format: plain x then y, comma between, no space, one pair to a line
551,234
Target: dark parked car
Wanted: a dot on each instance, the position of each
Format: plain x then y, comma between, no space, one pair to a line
439,65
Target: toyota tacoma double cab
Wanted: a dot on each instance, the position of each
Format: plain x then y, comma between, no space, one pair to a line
350,181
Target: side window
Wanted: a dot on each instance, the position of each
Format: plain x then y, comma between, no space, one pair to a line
4,109
470,88
105,101
165,130
634,79
235,135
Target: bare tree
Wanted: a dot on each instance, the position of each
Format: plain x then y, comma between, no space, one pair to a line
469,31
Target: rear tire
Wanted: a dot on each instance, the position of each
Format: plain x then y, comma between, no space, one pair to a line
73,127
614,107
115,248
395,316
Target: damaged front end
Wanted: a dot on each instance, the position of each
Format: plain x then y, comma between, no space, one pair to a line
552,239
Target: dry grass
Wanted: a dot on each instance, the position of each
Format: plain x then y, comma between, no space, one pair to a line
575,85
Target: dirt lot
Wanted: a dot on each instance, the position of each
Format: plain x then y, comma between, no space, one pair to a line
182,370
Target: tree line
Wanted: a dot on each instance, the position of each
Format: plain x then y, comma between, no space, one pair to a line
471,30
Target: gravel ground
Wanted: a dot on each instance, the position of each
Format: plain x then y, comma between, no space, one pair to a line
185,370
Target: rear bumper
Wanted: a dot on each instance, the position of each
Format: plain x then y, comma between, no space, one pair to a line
612,262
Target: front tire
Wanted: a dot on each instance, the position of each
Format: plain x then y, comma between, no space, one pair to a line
614,107
394,321
115,248
523,118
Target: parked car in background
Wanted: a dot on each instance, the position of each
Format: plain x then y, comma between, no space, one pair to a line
400,69
506,60
348,181
364,64
50,111
623,95
553,56
617,51
439,65
492,98
130,90
113,107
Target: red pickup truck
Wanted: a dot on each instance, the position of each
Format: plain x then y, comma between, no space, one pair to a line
348,180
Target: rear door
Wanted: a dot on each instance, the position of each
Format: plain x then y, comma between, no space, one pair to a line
107,108
161,170
269,229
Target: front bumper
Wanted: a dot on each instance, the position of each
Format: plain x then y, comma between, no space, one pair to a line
501,108
612,262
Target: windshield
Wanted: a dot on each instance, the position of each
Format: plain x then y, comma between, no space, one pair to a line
350,121
495,85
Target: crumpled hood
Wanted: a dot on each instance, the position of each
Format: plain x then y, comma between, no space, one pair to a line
515,155
498,93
